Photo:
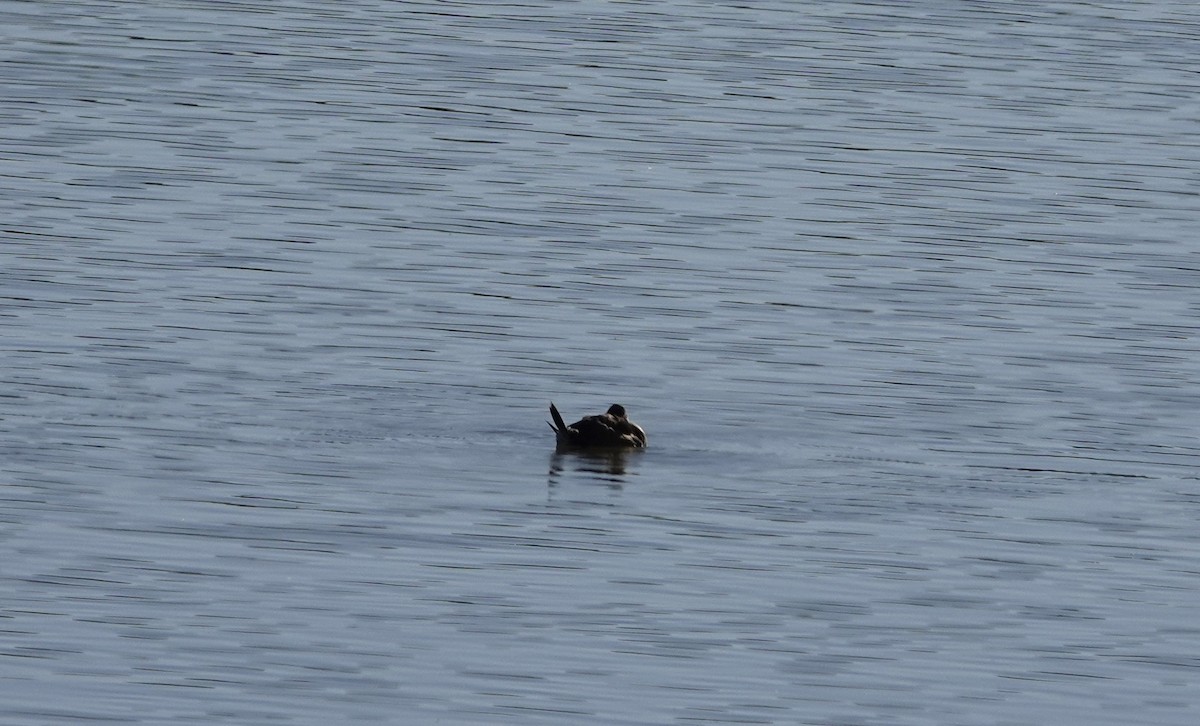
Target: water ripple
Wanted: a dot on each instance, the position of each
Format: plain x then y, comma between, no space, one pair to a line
902,293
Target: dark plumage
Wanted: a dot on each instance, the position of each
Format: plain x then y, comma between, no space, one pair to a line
608,430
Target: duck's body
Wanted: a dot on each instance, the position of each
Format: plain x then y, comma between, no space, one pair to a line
612,430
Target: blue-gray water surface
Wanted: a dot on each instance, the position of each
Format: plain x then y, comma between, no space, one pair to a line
904,293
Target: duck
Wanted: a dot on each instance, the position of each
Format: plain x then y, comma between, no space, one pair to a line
611,429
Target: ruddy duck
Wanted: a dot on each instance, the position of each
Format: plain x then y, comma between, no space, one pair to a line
608,430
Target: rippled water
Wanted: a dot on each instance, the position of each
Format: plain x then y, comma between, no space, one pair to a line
904,295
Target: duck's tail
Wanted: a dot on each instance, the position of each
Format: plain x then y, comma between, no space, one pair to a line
559,425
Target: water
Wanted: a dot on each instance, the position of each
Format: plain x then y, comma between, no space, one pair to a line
904,296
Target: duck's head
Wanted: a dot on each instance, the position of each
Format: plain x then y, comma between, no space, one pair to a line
616,410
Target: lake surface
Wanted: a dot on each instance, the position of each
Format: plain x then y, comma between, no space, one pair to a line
904,294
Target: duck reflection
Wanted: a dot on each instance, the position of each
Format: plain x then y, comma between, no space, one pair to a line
609,465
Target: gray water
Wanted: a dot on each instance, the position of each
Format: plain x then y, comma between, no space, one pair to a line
904,295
